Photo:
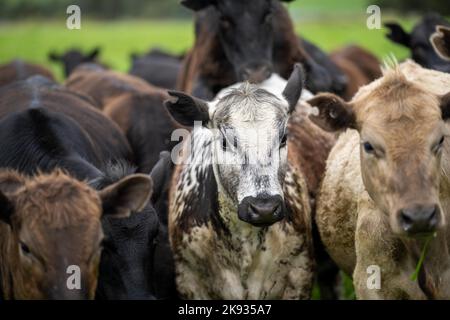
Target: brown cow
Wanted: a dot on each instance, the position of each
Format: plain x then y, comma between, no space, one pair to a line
50,229
385,194
441,42
20,70
136,106
103,85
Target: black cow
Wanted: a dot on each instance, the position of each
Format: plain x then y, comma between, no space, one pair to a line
441,42
418,41
136,261
157,67
339,80
44,126
244,40
73,58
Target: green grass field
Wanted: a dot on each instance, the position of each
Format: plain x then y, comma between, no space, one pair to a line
32,40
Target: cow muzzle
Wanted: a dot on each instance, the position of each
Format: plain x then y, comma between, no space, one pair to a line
255,73
262,211
419,220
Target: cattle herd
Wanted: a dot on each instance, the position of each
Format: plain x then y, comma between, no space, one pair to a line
250,167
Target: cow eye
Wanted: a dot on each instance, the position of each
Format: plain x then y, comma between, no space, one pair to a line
368,148
283,141
225,22
107,244
227,145
439,145
268,17
224,144
24,248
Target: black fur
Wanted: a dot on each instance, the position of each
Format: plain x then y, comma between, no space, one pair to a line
157,68
137,261
187,109
203,204
418,41
294,87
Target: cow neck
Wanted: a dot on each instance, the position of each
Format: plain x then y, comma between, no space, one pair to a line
228,212
430,274
444,188
435,263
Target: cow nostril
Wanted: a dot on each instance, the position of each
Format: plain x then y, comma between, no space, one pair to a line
433,217
420,219
264,209
253,209
277,209
406,220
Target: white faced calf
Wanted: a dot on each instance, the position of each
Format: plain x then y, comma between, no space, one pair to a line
386,190
239,215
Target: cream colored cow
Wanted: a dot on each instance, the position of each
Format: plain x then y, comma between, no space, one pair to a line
387,187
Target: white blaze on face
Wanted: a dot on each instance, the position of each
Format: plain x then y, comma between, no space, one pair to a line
259,174
252,163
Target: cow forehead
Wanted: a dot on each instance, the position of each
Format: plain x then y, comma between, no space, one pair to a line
401,106
244,109
72,212
238,7
76,241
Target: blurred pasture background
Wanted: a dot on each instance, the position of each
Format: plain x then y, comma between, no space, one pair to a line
29,29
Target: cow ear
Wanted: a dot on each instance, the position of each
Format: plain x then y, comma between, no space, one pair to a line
197,4
186,109
53,56
6,208
131,194
445,106
161,174
441,42
334,113
397,34
294,87
93,54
